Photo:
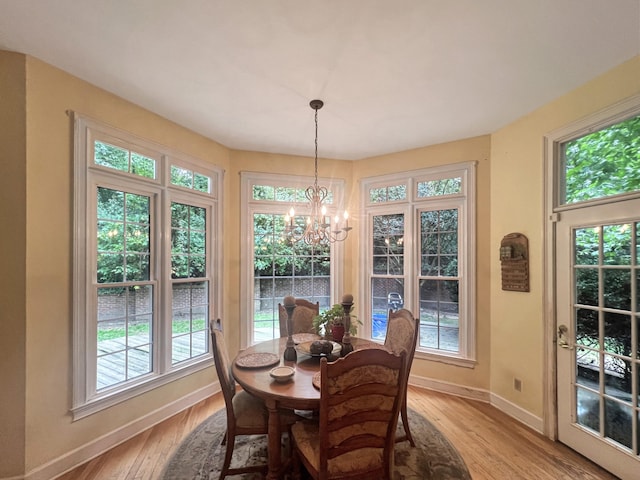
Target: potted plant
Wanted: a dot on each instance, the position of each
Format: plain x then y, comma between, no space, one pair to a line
330,322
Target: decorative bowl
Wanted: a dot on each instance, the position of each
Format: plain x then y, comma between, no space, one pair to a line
305,348
282,373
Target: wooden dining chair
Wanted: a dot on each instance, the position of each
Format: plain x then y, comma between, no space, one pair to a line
402,336
302,317
360,398
246,414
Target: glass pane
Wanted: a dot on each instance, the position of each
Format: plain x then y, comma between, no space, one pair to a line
587,286
143,166
618,422
263,192
617,378
201,183
111,370
181,177
587,329
111,156
398,192
124,242
285,194
588,409
432,188
138,361
439,309
617,288
617,334
190,307
386,294
587,241
600,164
439,243
388,244
188,241
617,244
124,333
588,368
377,195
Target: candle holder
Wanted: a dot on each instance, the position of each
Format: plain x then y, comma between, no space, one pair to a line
347,305
290,354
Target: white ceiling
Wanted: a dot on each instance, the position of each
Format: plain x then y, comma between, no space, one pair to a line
394,75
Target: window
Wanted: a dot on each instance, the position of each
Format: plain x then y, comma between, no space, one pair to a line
273,266
143,292
419,239
601,164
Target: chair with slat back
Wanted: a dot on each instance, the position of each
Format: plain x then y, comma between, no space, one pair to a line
402,336
302,317
246,414
360,398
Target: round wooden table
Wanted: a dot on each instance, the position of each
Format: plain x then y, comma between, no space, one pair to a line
298,393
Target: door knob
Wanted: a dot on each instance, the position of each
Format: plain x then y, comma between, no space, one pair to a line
562,337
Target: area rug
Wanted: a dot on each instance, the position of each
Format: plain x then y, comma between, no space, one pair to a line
200,455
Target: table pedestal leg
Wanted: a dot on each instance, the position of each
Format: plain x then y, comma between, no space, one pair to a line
274,441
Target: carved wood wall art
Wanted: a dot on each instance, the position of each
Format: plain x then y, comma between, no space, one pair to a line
514,258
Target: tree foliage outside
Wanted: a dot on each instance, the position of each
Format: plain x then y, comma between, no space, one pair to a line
603,163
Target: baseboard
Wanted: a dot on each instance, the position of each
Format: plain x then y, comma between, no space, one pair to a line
511,409
519,413
450,388
86,452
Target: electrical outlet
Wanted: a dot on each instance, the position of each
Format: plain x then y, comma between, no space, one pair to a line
517,384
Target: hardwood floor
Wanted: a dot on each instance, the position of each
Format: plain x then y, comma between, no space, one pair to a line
494,446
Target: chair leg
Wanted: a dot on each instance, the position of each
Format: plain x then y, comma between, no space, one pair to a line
405,423
227,454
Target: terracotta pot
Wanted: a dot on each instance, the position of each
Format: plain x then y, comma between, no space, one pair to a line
337,332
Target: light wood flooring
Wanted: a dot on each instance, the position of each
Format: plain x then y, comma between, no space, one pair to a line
494,446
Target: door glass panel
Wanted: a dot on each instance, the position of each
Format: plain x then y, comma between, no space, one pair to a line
617,288
588,409
617,380
587,327
618,425
588,368
587,246
617,333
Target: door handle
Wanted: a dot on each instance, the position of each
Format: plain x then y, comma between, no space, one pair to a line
562,337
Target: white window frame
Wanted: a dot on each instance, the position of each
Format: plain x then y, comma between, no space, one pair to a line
249,206
87,176
465,201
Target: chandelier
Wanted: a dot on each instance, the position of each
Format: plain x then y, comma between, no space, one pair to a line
317,228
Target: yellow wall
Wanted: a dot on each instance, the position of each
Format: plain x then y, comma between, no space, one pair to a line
36,189
13,193
517,203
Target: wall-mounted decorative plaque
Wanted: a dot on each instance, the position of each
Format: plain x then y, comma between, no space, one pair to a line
514,257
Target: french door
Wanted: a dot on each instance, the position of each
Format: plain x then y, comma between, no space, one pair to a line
598,333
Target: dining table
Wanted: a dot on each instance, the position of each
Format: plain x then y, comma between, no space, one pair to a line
251,369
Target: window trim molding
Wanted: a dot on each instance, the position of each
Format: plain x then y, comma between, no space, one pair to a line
84,402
